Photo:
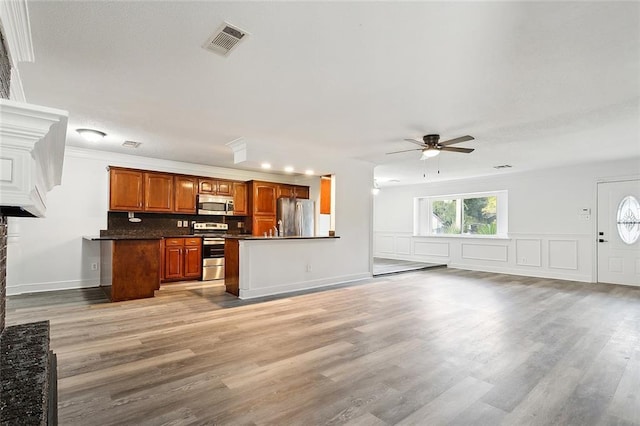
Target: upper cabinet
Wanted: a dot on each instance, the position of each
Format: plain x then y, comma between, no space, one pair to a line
325,195
215,187
125,189
158,192
185,191
262,198
240,207
297,191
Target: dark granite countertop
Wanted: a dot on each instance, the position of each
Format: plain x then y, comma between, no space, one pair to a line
121,237
254,238
24,374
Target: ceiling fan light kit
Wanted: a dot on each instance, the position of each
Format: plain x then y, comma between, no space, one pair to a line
431,145
429,153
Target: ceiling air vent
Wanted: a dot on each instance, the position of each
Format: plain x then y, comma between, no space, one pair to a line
131,144
225,39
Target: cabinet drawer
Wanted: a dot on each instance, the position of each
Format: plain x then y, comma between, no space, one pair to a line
172,242
192,241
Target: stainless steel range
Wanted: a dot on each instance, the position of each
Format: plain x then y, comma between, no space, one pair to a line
212,248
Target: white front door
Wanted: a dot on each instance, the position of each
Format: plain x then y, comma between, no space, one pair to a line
619,232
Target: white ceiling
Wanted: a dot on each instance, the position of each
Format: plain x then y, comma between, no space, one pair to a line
539,84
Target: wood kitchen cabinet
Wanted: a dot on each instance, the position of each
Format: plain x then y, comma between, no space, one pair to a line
262,224
262,206
125,189
182,259
215,187
325,195
262,198
158,192
297,191
240,205
185,192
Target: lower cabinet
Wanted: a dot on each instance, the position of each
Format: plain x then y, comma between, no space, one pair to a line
262,224
182,259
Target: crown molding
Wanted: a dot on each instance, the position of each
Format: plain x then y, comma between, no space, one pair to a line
16,29
14,15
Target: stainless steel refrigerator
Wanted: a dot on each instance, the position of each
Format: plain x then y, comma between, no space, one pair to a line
296,217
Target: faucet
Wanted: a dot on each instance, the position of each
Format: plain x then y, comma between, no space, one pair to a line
280,233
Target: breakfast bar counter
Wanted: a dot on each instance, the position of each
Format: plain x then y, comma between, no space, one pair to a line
262,266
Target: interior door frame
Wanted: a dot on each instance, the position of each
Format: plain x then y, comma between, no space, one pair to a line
594,227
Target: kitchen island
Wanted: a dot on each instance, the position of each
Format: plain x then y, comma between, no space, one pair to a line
263,266
129,266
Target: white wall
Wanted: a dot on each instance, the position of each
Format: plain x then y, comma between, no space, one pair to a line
270,267
547,237
50,253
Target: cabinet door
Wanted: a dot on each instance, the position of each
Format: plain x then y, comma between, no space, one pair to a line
125,189
264,198
173,262
206,186
192,261
240,198
158,192
224,187
325,195
185,189
301,192
285,191
262,224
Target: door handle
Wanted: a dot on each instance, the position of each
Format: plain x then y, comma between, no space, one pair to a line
602,240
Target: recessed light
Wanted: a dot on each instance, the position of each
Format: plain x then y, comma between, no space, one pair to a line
91,135
288,169
308,172
265,165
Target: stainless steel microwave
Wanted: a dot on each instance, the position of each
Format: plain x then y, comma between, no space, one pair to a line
215,205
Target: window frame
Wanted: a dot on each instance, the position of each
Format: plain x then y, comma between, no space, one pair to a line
423,212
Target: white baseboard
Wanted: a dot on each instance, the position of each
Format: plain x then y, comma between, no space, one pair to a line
303,285
51,286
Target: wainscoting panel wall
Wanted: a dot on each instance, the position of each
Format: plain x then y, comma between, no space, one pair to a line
485,252
528,252
424,248
562,256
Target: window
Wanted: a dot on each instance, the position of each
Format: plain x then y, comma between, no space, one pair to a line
462,214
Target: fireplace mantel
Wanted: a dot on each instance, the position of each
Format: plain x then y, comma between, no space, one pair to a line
32,142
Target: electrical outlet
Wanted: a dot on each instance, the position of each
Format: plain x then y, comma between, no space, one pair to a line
240,224
185,223
179,224
94,266
308,267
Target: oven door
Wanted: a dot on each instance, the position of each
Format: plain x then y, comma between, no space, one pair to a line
212,259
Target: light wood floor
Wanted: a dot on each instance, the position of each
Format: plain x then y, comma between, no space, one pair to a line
440,346
383,266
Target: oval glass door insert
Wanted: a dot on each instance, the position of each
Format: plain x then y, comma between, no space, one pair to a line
628,219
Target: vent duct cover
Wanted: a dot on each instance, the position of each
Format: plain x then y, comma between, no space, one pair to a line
225,39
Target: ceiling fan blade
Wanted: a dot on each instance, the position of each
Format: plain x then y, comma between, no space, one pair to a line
416,142
406,150
454,149
457,140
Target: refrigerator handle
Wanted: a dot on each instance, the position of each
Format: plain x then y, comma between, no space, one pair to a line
299,219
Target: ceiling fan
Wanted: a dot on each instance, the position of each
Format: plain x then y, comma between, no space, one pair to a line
430,145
